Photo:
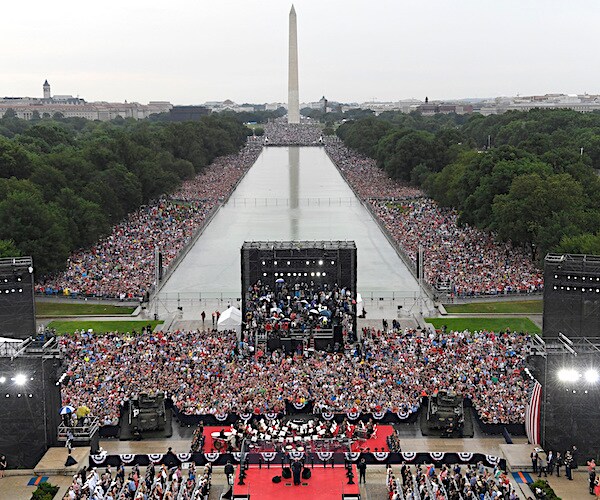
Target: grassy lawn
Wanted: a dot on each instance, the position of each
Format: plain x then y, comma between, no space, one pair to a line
101,326
494,324
57,309
505,306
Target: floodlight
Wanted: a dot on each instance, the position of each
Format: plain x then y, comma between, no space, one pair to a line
320,262
592,376
20,379
568,375
2,380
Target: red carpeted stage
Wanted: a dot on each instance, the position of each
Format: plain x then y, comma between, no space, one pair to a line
379,442
324,484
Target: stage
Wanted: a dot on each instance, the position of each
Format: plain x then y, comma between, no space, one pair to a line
325,484
377,443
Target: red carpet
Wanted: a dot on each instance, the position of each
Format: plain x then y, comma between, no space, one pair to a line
380,442
208,440
324,484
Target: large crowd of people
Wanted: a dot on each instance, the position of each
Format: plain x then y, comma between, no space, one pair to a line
207,373
160,482
469,261
280,133
458,258
451,482
302,306
122,265
365,177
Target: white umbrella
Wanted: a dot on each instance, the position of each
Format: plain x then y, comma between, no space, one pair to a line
67,410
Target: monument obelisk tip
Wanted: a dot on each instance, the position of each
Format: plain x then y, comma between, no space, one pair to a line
293,92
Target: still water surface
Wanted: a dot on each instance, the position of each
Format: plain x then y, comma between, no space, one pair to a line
293,193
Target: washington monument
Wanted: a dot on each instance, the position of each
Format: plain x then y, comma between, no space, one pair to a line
293,94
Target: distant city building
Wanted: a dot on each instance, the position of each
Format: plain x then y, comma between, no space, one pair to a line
229,105
187,113
69,106
583,103
444,109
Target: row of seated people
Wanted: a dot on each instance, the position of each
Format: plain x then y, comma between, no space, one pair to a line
450,482
393,442
158,483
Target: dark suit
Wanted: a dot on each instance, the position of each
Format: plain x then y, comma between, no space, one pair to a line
296,471
362,471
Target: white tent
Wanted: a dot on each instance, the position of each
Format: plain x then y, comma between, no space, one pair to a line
230,319
360,305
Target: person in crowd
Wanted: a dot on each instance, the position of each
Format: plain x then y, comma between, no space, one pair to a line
559,462
296,471
229,471
542,465
362,471
568,460
534,460
3,464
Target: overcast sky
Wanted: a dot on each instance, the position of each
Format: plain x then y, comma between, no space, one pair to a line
191,51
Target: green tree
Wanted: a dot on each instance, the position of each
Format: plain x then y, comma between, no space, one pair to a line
37,228
9,249
532,204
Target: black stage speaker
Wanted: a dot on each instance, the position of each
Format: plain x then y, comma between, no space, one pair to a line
29,408
572,295
570,408
17,305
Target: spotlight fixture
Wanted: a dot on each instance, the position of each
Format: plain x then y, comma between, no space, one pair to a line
568,375
20,379
2,380
592,376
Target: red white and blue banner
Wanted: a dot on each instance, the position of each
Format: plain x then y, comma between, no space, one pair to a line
533,412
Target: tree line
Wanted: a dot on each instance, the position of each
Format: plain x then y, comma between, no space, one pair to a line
64,182
530,177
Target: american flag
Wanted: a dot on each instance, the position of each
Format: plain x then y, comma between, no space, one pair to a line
532,414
